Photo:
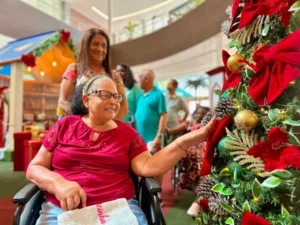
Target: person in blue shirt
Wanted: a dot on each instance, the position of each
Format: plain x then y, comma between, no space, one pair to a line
133,92
151,113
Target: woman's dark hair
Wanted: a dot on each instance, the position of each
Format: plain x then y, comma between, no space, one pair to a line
83,58
77,106
205,108
129,79
200,107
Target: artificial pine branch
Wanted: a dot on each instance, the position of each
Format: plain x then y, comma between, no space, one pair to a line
239,148
249,32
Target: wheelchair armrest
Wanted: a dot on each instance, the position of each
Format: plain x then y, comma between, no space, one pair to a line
152,185
25,194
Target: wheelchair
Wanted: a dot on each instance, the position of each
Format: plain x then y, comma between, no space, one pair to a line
175,177
175,173
32,198
146,190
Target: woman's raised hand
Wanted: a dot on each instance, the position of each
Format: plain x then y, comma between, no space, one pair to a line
70,194
117,77
198,136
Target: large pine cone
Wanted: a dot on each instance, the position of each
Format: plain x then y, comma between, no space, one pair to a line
225,107
215,206
205,186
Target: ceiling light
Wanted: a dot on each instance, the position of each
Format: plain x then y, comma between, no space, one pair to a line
149,9
100,13
42,73
143,10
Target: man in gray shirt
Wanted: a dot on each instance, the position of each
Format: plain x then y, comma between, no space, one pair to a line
175,104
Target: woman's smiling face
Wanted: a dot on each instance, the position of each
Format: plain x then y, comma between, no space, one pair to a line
103,100
98,48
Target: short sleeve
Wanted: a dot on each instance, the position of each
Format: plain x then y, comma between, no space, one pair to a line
137,146
182,105
50,140
71,73
137,93
162,105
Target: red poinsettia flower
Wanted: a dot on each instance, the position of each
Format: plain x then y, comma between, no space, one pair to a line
276,153
28,60
252,219
65,35
204,205
271,7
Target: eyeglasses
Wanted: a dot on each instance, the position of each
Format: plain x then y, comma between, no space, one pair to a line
106,95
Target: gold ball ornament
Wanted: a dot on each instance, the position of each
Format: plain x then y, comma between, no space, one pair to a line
233,62
246,120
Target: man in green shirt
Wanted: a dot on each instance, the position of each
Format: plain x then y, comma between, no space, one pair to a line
151,113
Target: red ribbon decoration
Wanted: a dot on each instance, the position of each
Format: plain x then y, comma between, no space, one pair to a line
212,142
253,8
271,7
252,219
234,78
278,66
65,35
28,60
235,13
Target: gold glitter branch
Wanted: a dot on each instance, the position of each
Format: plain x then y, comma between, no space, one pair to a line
239,145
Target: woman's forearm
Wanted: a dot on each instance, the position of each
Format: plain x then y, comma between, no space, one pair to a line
165,159
158,164
67,88
43,177
65,106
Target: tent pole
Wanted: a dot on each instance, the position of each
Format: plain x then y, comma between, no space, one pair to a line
15,102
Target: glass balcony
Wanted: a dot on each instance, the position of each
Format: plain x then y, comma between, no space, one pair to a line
62,11
132,31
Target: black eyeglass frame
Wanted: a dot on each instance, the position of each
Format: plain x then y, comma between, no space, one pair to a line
118,97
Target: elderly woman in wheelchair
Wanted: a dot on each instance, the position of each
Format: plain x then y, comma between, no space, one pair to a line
86,159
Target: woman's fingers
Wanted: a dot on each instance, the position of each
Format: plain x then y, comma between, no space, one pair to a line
198,136
63,205
205,131
76,201
83,198
210,126
70,203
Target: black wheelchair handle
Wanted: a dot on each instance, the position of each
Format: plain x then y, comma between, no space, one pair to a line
25,194
152,185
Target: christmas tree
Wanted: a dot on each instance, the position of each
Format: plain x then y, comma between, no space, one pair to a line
251,170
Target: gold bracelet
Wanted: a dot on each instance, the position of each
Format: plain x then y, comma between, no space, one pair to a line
185,150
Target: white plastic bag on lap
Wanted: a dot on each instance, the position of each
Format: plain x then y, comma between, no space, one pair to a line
109,213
